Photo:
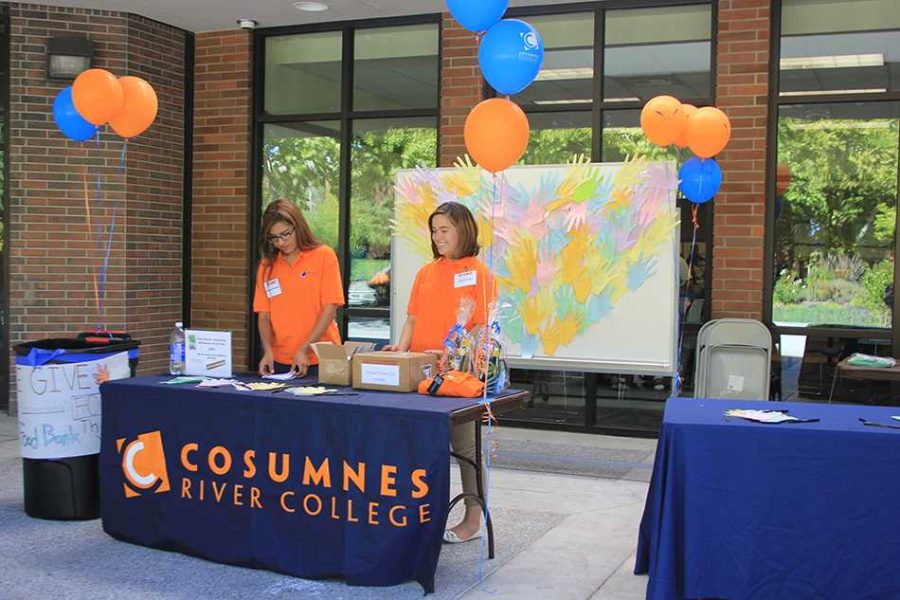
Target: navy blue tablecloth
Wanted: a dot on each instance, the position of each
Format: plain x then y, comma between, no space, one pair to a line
745,510
350,486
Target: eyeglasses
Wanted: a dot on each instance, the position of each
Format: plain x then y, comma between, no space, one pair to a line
280,237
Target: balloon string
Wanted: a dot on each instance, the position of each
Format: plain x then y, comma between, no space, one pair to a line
696,223
112,225
90,226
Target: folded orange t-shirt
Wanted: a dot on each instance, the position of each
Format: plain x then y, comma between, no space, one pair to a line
455,383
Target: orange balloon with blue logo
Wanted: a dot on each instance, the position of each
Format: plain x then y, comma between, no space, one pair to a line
662,120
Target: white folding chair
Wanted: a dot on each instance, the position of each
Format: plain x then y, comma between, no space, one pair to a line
733,360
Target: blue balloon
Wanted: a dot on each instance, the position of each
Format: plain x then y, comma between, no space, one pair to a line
477,15
72,124
510,55
700,179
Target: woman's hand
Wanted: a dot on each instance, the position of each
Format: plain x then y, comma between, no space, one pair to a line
267,364
392,348
300,364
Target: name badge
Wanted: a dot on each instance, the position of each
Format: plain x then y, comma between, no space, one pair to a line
273,288
465,279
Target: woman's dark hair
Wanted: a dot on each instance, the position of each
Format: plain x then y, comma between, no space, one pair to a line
462,219
284,211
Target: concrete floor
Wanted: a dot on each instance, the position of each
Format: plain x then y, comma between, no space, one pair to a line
583,547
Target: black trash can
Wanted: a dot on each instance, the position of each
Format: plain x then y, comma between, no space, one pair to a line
59,416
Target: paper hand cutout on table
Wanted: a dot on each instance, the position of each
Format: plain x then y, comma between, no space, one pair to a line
181,379
257,386
766,416
308,390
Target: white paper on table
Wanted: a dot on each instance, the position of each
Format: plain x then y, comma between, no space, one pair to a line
281,376
761,416
216,382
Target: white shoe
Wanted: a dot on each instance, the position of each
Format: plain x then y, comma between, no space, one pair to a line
450,537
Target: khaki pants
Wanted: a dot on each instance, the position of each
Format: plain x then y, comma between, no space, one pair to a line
462,441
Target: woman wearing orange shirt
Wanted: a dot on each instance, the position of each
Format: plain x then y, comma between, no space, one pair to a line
298,291
440,289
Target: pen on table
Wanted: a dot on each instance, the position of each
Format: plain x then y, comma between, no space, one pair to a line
876,424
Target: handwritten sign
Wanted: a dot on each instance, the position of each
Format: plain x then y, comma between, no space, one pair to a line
59,406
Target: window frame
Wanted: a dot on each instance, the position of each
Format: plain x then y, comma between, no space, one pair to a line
776,102
346,117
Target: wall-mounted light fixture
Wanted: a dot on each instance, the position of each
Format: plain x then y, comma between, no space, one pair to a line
67,57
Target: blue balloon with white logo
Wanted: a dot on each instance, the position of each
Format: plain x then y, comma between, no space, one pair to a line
477,15
510,55
69,121
700,179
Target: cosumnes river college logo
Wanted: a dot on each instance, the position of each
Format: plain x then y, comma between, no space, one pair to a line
144,465
323,487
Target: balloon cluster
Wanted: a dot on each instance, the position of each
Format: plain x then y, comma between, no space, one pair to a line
510,55
128,104
705,131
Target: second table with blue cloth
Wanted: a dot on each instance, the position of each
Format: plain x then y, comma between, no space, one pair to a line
353,485
745,510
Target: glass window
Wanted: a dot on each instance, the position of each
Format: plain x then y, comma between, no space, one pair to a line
835,221
396,68
652,51
303,73
832,47
369,329
301,162
380,148
557,138
567,74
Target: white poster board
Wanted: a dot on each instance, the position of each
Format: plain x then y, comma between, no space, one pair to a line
59,406
207,352
602,243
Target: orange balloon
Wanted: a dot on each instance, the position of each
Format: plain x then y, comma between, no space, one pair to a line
688,109
707,131
662,120
138,109
496,134
97,95
783,179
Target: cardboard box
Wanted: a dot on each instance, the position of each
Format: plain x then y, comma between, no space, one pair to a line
392,371
335,365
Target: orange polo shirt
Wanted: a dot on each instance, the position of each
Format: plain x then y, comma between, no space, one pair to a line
294,296
435,299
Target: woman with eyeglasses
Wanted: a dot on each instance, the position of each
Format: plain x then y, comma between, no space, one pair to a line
298,291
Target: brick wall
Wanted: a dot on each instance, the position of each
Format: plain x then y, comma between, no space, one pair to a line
742,86
54,255
221,198
461,87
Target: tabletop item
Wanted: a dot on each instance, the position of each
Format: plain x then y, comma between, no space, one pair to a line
184,379
335,362
281,376
392,371
212,383
857,359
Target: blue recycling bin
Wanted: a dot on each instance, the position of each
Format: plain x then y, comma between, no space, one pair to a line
57,382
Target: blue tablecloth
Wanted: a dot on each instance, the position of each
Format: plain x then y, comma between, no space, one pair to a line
348,486
744,510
